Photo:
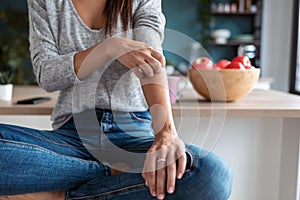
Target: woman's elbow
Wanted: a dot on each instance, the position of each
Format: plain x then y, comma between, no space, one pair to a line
47,85
52,77
47,82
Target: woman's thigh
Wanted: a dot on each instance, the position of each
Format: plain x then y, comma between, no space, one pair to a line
62,141
36,161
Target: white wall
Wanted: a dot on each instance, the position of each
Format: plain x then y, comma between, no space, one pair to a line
252,148
276,41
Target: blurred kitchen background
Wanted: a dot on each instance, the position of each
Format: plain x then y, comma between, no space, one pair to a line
260,29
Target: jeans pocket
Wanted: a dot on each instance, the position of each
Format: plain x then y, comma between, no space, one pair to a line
141,116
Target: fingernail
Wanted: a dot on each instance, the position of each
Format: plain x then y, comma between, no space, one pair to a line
179,176
146,183
161,196
154,194
170,190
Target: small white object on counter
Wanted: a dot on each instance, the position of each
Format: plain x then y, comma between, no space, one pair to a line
6,92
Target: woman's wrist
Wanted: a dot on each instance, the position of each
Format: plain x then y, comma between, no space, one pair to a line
162,119
167,128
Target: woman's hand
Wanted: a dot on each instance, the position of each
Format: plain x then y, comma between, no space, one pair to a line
160,168
138,56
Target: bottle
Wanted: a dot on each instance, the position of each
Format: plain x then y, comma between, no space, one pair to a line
241,5
227,8
233,8
248,4
221,7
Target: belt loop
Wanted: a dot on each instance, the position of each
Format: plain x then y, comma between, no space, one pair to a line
100,112
112,121
107,170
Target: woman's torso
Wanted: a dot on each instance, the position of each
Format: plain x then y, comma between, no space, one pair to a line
114,87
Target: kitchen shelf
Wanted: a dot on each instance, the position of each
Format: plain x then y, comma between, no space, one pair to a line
248,22
233,13
235,43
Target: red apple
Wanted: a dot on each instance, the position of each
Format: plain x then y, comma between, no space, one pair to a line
222,64
236,65
244,60
251,67
202,63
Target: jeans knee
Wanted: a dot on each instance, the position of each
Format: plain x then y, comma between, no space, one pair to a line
221,176
213,175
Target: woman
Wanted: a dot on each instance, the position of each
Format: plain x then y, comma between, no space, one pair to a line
114,135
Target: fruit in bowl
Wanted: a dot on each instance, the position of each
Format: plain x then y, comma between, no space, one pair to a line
202,63
226,83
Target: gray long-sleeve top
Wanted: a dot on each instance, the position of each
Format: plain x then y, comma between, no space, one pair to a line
57,32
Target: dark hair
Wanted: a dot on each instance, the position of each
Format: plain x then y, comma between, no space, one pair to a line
112,10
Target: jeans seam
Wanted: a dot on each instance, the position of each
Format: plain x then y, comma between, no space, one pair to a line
44,139
130,149
45,150
141,185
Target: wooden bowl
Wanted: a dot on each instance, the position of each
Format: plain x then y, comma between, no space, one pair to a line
223,84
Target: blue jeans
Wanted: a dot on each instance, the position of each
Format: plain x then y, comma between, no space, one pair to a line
67,159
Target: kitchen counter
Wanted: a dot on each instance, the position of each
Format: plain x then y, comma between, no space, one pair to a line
259,103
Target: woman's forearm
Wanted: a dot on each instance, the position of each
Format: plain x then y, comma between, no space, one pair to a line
128,52
87,61
156,93
166,158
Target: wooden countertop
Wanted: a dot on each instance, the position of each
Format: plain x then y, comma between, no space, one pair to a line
259,103
25,92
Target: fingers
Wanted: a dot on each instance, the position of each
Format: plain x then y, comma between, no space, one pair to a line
171,171
155,65
150,65
155,173
143,60
147,70
138,72
150,173
181,166
161,178
142,64
160,174
160,168
152,182
161,59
